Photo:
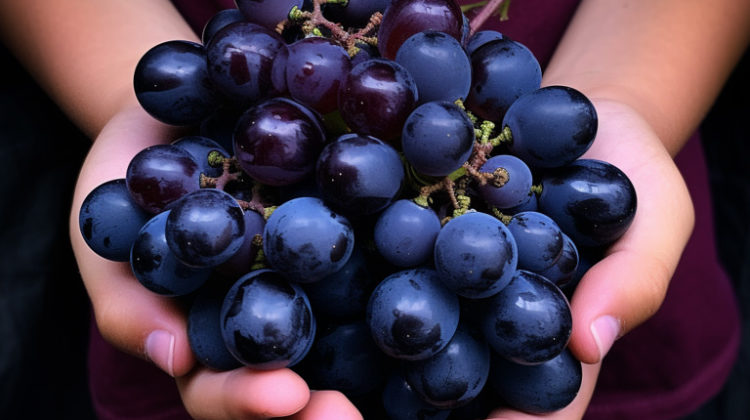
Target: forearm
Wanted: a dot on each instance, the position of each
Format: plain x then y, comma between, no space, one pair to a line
667,59
84,52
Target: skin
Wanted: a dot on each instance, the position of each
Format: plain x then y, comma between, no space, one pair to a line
652,69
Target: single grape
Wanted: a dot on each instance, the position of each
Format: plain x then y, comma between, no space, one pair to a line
205,228
539,240
592,201
566,265
267,322
475,255
204,327
277,142
412,315
511,185
218,21
109,220
159,175
208,154
376,97
480,38
568,129
405,233
455,375
155,265
268,13
439,65
240,60
528,321
306,241
359,175
344,358
405,18
537,389
403,403
503,70
437,138
315,69
172,84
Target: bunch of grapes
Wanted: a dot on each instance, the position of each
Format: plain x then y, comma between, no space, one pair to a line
373,196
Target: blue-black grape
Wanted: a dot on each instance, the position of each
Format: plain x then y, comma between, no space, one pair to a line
592,201
551,127
243,260
376,97
315,69
539,240
267,322
403,403
515,191
109,220
268,13
538,389
359,174
155,265
528,321
412,315
454,376
503,70
437,138
405,233
218,21
172,84
475,255
566,265
439,65
159,175
201,149
306,241
205,228
480,38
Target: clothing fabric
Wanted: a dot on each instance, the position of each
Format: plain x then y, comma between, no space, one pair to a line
664,369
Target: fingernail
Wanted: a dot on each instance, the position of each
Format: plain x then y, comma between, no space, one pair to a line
605,330
160,350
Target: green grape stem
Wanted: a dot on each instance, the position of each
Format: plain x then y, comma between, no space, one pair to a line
230,172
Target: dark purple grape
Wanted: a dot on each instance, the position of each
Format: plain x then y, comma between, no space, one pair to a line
344,358
405,233
242,261
157,268
159,175
207,153
220,126
539,240
403,403
109,220
364,53
592,201
240,61
538,389
359,175
315,69
172,84
267,322
218,21
515,191
354,13
480,38
344,294
268,13
405,18
569,128
412,315
277,142
503,70
306,241
376,97
437,138
205,228
475,255
439,65
204,327
455,375
565,266
528,321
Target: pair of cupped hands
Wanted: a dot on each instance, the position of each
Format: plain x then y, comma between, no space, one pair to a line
617,294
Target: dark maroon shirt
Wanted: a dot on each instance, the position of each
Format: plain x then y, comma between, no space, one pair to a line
665,368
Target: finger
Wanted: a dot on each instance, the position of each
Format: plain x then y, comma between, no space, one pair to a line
243,393
326,405
574,410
